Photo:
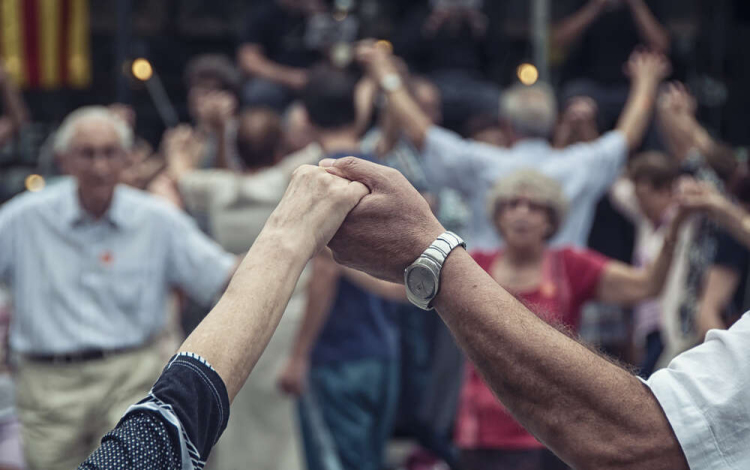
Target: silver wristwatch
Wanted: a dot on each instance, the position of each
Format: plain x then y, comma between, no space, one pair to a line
422,277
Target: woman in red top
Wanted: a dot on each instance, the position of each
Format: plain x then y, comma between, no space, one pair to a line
528,208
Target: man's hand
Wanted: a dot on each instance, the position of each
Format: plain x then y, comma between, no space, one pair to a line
644,67
293,379
313,208
389,228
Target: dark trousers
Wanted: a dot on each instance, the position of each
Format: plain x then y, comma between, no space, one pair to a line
347,414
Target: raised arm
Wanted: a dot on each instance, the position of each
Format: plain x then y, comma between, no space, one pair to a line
590,412
15,113
384,71
702,197
236,331
571,28
646,71
652,33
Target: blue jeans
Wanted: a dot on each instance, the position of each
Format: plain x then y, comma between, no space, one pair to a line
347,414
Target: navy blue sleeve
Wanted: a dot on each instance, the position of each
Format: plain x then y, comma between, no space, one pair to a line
174,427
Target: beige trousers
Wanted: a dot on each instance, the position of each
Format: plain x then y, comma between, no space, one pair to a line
65,409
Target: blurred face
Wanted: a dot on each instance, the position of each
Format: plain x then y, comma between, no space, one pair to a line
429,100
653,202
197,96
96,159
523,223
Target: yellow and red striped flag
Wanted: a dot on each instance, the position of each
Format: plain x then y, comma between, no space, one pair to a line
46,43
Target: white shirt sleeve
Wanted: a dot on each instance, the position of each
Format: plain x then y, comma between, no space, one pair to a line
457,163
705,394
603,159
195,262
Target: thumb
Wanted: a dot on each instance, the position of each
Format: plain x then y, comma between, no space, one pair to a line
369,174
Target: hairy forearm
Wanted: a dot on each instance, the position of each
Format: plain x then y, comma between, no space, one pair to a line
636,115
571,28
409,116
236,331
650,30
589,411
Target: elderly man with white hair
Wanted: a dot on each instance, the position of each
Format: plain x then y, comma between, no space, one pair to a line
90,264
528,115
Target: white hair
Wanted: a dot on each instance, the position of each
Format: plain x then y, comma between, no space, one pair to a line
530,110
67,129
537,186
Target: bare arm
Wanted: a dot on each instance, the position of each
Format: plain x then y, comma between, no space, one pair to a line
16,113
571,28
320,298
321,294
407,113
234,334
650,30
590,412
549,381
718,290
385,289
646,71
254,63
623,284
702,197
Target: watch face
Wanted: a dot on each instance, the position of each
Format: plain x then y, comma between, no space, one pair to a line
421,282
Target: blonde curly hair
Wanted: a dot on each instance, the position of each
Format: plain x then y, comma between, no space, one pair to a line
534,185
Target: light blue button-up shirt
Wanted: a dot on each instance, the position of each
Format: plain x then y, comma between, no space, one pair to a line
80,283
585,171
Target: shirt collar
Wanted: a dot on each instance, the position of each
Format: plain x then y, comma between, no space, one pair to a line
75,215
535,142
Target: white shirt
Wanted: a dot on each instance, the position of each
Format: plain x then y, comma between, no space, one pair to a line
80,284
705,394
585,171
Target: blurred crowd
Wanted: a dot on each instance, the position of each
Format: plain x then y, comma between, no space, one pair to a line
602,202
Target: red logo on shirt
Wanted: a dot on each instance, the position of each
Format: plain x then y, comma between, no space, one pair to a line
106,258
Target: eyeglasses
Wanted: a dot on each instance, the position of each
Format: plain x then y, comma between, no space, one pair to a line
90,153
531,205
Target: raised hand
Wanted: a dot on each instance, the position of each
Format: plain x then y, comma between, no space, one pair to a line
182,149
313,208
645,66
389,228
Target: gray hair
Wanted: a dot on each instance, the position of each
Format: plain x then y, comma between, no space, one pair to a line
537,187
65,132
530,110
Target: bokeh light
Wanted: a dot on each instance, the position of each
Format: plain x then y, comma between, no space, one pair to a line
385,45
35,183
142,69
527,74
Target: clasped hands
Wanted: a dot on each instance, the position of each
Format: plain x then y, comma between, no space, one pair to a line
369,215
